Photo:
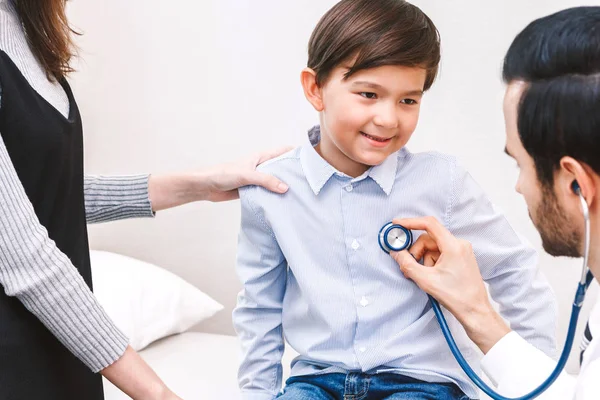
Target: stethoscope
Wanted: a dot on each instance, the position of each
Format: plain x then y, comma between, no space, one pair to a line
394,237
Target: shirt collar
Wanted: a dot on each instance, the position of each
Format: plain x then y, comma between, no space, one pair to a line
385,173
318,171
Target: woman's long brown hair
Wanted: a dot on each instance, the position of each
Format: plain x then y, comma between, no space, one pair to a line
48,33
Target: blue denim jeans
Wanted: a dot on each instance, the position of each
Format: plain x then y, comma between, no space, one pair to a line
359,386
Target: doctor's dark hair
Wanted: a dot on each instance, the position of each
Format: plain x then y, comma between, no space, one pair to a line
374,33
558,56
48,34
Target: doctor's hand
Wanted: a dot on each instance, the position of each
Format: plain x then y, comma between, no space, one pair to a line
451,275
218,183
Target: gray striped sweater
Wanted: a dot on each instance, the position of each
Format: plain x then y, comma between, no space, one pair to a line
34,269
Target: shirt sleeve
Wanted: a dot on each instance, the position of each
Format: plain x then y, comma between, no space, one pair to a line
517,368
110,198
508,264
36,272
257,318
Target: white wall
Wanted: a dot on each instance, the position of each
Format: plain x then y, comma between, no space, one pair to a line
166,86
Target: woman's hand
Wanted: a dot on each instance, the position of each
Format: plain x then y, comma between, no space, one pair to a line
219,183
224,180
451,275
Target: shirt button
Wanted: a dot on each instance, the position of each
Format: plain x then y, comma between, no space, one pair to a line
362,349
355,244
349,188
364,302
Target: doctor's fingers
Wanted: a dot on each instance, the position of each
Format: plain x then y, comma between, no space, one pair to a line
438,232
424,277
425,248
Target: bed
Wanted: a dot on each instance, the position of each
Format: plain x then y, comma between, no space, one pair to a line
195,366
156,310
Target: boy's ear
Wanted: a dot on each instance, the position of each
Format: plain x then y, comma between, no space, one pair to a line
312,91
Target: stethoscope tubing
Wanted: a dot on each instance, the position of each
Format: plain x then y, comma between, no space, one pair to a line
387,245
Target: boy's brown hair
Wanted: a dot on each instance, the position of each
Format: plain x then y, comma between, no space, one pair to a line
374,33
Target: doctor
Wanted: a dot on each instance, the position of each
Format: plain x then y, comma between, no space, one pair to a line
552,115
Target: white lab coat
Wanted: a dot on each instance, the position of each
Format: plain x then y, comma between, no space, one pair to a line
516,367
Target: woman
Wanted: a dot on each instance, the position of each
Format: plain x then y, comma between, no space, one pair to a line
54,336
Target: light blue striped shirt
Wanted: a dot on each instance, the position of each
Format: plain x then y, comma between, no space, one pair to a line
315,276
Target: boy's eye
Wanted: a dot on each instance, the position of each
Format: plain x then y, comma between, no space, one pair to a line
368,95
410,102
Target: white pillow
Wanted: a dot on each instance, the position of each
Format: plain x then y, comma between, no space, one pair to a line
145,301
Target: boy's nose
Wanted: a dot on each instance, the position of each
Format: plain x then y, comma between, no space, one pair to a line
387,118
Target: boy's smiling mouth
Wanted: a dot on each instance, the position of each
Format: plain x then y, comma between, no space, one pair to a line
375,138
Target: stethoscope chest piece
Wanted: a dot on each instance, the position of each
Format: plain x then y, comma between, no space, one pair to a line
394,237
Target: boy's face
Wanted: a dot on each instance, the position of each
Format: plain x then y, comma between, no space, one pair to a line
368,116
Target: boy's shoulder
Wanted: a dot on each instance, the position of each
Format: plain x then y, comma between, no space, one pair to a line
428,159
285,167
281,163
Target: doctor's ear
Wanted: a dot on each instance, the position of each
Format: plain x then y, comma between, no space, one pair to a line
312,91
581,178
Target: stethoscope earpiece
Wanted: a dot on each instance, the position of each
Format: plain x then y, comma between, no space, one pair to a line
575,187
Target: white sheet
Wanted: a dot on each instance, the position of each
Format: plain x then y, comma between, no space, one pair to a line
194,365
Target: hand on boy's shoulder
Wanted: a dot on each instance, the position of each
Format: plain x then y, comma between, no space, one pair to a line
273,164
279,167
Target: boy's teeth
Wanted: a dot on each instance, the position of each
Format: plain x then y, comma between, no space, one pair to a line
374,138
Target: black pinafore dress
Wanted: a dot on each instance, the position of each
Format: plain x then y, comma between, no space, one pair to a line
46,150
